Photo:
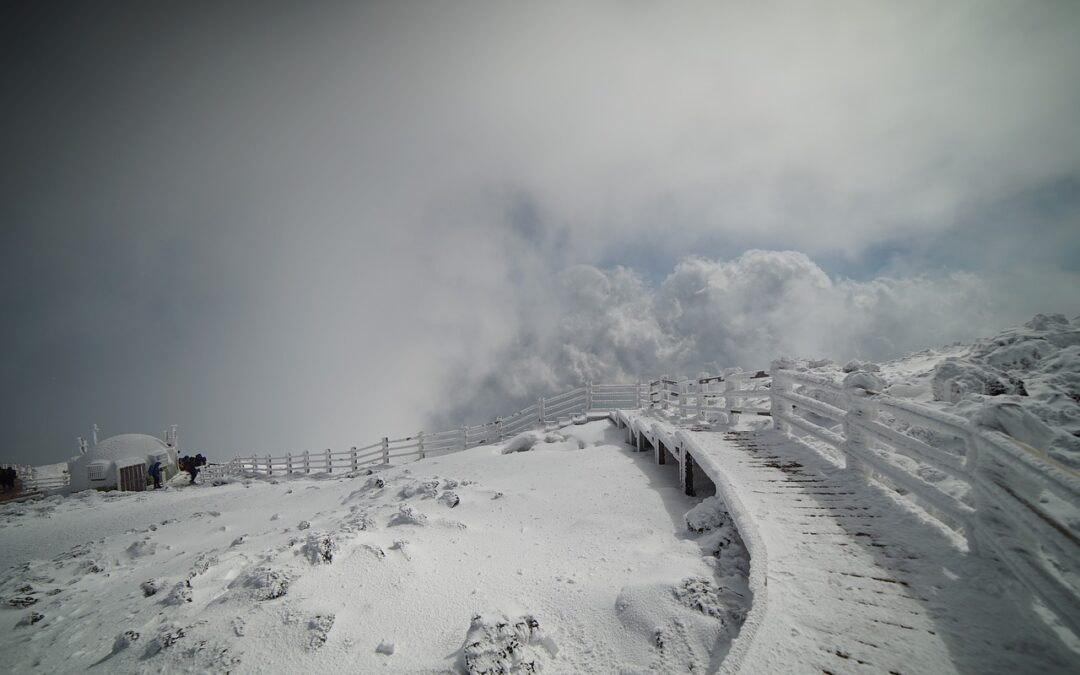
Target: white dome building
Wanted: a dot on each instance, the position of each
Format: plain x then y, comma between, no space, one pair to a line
121,462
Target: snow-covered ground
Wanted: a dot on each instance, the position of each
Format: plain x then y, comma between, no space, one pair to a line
1024,382
573,554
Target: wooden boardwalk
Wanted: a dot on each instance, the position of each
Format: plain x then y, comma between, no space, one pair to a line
845,578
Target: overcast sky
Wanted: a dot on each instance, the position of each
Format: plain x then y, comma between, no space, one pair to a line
288,228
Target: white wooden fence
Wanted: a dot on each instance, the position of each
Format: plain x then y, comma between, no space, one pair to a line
701,397
550,410
704,399
1015,502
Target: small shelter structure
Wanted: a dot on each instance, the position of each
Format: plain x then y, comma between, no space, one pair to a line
121,462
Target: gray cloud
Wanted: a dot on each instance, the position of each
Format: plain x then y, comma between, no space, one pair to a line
290,228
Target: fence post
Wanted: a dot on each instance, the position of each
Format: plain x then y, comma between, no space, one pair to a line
329,462
856,387
588,396
637,396
288,463
701,386
777,406
385,450
971,468
269,467
684,391
420,443
540,412
731,384
464,437
307,462
352,458
498,429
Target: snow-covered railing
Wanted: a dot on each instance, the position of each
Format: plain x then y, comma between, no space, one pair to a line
702,399
558,409
1006,498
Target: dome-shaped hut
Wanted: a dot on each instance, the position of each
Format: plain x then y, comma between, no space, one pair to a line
120,462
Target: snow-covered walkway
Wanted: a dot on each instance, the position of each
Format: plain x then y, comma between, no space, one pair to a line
848,580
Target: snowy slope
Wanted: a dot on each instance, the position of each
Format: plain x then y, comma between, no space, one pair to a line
573,555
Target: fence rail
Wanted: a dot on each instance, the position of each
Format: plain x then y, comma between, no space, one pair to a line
1015,502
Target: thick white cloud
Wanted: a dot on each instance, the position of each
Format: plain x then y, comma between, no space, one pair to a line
715,314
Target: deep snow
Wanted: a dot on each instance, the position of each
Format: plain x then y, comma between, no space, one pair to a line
572,555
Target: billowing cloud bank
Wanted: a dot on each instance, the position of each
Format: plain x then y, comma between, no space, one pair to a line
610,325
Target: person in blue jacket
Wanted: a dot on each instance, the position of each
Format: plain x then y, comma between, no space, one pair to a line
155,473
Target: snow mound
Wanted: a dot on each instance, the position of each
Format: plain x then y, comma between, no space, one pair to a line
499,645
320,548
706,516
523,442
263,583
683,623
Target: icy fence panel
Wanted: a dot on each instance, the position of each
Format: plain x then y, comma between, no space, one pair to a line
703,400
1007,499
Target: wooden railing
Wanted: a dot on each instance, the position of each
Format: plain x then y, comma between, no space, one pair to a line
704,399
1013,502
553,410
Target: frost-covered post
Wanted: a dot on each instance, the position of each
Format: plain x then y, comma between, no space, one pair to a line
352,458
307,462
385,450
420,443
540,410
498,429
588,395
701,387
329,462
684,393
637,396
778,406
269,467
730,402
464,437
857,386
971,467
288,463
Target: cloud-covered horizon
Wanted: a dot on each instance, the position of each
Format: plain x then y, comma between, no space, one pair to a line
710,315
287,227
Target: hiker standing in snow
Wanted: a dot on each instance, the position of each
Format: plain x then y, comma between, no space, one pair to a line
191,465
155,473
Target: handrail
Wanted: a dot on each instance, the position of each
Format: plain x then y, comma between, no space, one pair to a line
1022,505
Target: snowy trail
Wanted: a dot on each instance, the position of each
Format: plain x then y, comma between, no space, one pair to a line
847,580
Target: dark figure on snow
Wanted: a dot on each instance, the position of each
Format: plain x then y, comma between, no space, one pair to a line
155,473
191,465
10,475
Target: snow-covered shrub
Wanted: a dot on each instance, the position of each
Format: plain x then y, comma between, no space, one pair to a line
710,514
407,515
319,629
523,442
264,583
150,587
179,594
320,548
498,645
955,379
